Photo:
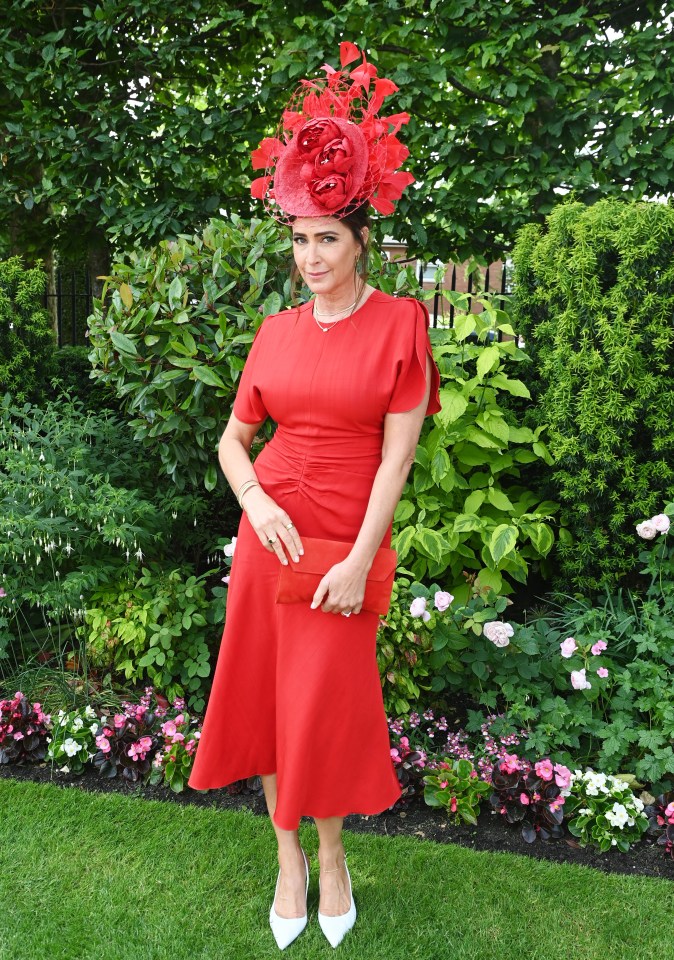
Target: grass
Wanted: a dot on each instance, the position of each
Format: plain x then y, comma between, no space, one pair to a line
111,877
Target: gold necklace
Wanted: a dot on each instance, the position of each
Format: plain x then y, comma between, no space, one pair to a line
320,313
329,326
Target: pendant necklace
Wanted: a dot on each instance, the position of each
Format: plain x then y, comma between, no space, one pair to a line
316,313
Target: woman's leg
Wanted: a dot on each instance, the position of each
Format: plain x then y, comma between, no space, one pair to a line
290,899
335,899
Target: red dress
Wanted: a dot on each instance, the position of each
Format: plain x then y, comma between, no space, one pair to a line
296,691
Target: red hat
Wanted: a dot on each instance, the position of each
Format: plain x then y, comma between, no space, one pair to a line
332,151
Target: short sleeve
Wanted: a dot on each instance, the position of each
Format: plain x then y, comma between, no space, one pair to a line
410,384
248,406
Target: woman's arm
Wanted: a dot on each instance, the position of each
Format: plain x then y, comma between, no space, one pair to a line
346,580
266,517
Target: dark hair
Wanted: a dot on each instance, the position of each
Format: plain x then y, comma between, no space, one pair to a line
355,221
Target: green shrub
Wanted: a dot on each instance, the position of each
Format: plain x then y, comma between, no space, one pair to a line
153,628
79,506
467,511
72,377
27,340
594,301
175,335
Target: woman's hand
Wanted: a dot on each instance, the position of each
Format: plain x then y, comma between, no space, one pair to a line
272,525
342,589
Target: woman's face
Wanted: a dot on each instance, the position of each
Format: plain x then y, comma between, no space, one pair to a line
325,252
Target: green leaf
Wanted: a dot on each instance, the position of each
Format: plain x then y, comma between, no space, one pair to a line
123,343
502,542
209,376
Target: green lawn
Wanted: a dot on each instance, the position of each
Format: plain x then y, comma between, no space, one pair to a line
109,877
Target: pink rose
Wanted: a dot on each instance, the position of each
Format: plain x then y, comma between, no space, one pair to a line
646,530
568,647
602,672
335,157
314,136
597,647
442,599
544,769
579,681
661,522
418,606
499,633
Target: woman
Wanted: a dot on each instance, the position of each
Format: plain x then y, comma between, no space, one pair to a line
348,377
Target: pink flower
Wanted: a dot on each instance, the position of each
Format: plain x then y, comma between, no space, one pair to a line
2,592
562,776
510,763
395,756
225,579
230,548
602,672
499,633
597,647
524,799
443,784
178,738
537,797
568,647
544,769
145,743
18,735
646,530
453,805
669,812
425,616
120,720
442,599
579,681
103,744
661,522
418,606
169,728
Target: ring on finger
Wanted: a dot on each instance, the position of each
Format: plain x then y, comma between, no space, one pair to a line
272,539
290,525
345,614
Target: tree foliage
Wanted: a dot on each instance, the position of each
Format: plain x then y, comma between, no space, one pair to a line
128,122
594,300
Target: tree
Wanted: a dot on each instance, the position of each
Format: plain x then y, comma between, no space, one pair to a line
123,123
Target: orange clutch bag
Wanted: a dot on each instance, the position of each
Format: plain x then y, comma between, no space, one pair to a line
297,582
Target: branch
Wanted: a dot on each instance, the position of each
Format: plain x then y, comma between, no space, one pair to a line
392,48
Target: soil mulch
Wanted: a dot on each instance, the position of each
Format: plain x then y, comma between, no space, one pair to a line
409,817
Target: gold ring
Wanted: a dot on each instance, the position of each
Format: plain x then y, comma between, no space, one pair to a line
290,525
272,539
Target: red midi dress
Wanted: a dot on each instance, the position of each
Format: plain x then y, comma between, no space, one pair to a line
296,691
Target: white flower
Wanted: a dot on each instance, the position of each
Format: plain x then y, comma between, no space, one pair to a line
78,723
89,711
93,728
418,606
70,747
579,681
661,522
230,548
646,530
139,553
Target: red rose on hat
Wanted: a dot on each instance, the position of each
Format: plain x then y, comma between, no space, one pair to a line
337,156
332,192
314,135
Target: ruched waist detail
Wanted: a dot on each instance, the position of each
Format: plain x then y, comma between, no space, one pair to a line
341,452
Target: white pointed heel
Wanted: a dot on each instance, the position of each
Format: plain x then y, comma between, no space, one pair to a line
287,929
335,928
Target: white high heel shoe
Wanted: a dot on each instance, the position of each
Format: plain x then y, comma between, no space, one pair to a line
335,928
287,929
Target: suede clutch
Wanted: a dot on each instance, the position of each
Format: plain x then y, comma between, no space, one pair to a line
298,582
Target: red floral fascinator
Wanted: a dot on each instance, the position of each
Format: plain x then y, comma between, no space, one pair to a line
332,151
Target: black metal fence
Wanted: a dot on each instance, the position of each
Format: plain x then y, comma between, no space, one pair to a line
74,298
74,302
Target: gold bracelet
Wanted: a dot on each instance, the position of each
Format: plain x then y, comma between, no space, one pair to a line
242,494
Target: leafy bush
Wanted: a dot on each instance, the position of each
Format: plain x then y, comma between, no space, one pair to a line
72,377
72,742
27,339
174,758
594,298
456,787
153,628
174,337
531,794
603,811
465,511
593,684
23,730
128,741
79,506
